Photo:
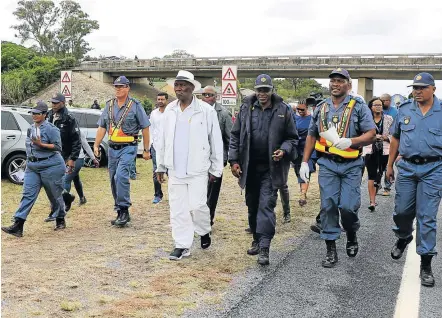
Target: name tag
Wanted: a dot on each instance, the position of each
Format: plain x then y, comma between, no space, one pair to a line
281,116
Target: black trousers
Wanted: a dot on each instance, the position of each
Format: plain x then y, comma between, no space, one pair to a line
261,202
213,190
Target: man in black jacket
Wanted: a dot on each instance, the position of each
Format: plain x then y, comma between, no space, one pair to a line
70,141
262,144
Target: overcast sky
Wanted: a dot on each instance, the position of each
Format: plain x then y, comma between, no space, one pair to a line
245,27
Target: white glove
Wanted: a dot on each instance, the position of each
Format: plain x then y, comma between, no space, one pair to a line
343,143
304,172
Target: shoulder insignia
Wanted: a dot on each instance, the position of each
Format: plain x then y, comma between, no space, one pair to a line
135,100
407,101
358,99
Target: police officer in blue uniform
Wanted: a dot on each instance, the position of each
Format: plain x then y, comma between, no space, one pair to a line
417,138
122,118
340,163
45,167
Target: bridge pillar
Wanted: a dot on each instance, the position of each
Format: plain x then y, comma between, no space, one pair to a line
365,88
205,81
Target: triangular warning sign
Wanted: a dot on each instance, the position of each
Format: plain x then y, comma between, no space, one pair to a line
229,75
66,91
229,91
66,78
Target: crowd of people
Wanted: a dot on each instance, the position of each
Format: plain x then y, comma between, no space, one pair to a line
190,141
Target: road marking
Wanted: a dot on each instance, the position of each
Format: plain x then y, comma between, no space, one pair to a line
407,304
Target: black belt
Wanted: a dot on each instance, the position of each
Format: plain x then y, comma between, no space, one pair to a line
36,159
337,158
118,146
421,160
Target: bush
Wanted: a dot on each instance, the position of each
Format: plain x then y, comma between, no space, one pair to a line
147,105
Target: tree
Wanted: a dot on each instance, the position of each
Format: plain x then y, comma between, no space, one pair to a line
58,31
179,54
14,56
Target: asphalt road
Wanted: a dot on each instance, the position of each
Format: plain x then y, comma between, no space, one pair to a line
296,285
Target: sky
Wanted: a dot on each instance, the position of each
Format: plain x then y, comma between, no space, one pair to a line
256,28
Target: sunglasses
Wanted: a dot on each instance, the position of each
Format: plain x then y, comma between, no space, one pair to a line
263,90
208,95
419,88
120,86
300,109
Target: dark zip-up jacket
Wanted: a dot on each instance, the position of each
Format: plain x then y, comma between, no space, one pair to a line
282,135
69,132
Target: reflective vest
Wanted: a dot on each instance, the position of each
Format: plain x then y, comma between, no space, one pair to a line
116,133
325,146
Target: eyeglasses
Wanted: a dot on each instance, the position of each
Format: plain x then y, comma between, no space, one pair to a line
419,88
374,105
208,95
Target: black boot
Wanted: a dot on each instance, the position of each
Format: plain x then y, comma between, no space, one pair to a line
254,249
15,229
426,274
263,257
205,241
68,199
118,216
399,247
60,224
123,218
331,258
287,218
352,244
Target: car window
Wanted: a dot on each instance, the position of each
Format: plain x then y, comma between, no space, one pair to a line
91,120
28,118
8,121
80,118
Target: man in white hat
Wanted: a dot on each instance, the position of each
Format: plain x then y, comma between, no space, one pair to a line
190,148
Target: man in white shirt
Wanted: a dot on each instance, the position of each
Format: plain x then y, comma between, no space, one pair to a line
155,121
190,148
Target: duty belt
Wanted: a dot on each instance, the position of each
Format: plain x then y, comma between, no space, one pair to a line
118,146
337,158
36,159
420,160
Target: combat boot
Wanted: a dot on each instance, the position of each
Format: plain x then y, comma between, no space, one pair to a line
399,247
263,257
123,218
426,274
331,258
68,199
15,229
118,216
60,224
352,244
254,249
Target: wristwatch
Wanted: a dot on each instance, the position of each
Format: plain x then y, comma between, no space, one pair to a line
145,150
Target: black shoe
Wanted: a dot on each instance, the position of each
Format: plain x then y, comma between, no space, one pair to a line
118,216
426,274
287,218
205,241
60,224
352,244
82,201
399,247
50,218
263,257
331,258
15,229
316,228
68,199
179,253
248,230
254,250
123,218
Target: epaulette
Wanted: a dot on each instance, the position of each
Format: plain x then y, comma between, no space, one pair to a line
136,101
407,101
358,99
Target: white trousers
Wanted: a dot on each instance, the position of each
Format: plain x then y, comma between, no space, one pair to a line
189,212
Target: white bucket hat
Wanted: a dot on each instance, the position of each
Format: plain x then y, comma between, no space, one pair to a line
185,76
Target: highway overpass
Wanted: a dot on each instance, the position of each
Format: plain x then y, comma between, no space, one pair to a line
363,67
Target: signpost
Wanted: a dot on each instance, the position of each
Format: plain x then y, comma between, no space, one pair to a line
66,84
229,91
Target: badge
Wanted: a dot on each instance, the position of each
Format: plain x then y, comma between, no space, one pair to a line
263,79
406,120
418,78
339,69
335,119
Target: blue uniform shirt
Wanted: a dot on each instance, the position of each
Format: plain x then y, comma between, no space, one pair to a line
361,119
418,135
392,111
49,134
135,120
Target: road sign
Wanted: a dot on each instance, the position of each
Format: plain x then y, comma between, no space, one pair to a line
66,84
228,85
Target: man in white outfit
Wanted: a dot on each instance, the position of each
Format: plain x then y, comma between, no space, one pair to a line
190,148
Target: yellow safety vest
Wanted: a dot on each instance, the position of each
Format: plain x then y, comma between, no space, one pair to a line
325,146
116,133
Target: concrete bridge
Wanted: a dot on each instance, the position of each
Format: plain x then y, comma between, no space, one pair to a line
363,67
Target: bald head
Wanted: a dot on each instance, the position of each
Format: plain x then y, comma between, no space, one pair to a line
209,95
386,100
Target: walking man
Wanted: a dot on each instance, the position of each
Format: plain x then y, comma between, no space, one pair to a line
225,124
417,138
122,118
156,117
340,126
263,139
190,148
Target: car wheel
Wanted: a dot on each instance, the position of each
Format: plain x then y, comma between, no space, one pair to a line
15,168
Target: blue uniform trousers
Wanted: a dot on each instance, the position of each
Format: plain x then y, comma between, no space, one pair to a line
119,165
261,202
48,174
340,187
418,194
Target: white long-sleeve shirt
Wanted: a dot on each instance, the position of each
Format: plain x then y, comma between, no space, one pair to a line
155,123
